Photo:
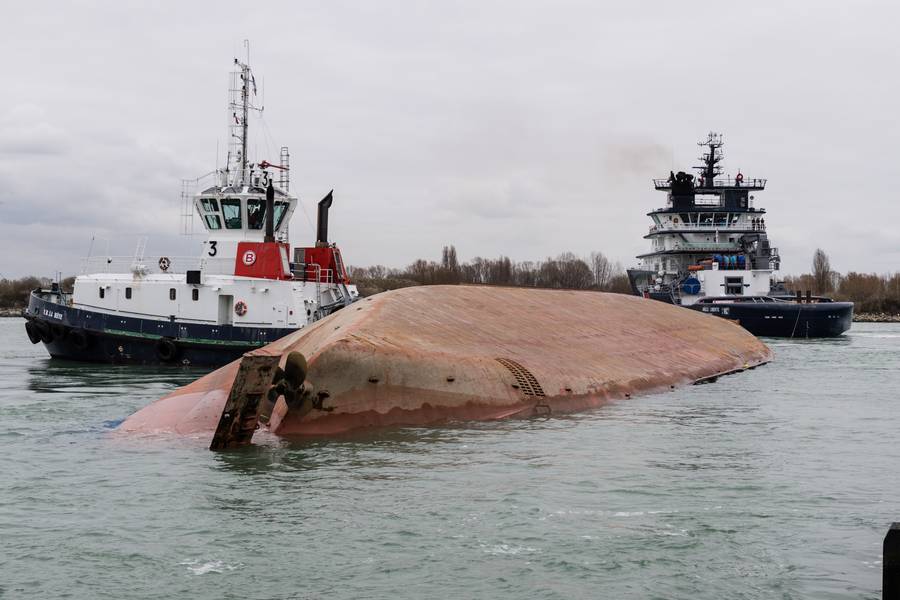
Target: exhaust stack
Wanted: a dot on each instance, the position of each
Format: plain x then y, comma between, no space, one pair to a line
270,213
322,225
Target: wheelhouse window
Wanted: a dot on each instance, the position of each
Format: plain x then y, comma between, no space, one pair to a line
213,222
195,294
128,293
171,293
210,204
280,211
231,212
256,213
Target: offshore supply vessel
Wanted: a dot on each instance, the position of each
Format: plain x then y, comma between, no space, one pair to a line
244,291
709,251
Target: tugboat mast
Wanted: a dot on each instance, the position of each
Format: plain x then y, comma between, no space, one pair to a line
240,106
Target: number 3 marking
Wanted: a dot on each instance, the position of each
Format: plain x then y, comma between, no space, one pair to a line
212,248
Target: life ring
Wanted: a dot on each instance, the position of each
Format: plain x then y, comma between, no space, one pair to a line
166,350
34,336
80,339
164,263
739,178
240,308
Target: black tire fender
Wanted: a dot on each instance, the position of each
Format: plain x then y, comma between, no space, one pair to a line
166,349
44,331
34,336
58,330
80,339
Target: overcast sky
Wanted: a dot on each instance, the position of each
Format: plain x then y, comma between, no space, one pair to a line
521,128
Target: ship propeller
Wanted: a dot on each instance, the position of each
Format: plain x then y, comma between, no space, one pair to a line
288,382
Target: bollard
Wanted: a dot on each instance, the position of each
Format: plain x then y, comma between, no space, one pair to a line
890,570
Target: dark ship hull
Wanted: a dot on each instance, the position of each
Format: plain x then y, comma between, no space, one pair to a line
90,336
775,316
768,317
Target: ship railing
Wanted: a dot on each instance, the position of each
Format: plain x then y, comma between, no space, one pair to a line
312,272
156,265
705,246
698,226
730,182
745,183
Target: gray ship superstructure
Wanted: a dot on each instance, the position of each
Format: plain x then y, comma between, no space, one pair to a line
709,251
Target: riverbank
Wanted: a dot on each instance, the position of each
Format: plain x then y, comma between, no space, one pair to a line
875,318
11,312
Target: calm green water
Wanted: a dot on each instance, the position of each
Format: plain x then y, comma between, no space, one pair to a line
776,483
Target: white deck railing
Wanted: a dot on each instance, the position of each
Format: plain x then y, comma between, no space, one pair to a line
151,265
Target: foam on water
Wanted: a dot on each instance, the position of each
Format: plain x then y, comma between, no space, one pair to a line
202,568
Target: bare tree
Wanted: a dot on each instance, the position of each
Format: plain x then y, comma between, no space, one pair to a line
821,272
602,270
450,265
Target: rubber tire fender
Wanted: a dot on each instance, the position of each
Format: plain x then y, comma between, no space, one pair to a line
80,339
44,331
58,330
34,336
166,349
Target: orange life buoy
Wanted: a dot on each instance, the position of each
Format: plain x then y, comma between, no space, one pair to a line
240,309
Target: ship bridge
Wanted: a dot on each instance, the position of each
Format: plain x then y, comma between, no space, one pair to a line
240,212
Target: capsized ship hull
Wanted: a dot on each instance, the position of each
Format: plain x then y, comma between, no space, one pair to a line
424,355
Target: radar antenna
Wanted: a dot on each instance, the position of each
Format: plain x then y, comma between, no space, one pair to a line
711,158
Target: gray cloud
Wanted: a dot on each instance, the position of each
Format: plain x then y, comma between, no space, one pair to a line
517,127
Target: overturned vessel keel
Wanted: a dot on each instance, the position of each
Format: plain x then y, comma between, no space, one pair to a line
424,355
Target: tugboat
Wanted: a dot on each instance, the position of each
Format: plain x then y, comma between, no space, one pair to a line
244,291
709,251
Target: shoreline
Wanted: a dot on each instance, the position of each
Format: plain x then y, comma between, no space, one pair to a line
875,318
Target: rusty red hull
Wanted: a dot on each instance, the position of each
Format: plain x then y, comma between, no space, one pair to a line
425,355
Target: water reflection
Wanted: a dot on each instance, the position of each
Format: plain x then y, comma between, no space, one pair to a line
835,342
51,376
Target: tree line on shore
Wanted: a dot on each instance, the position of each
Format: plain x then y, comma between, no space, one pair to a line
14,292
870,292
565,271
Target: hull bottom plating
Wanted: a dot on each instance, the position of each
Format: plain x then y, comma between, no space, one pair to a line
426,355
